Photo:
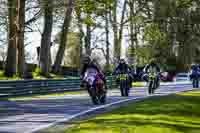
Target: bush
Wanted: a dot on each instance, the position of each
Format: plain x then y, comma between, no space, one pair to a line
36,73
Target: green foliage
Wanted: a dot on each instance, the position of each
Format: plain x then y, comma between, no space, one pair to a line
184,3
37,72
145,54
1,74
37,75
71,58
92,6
157,45
91,9
108,69
89,21
171,64
3,77
153,35
15,77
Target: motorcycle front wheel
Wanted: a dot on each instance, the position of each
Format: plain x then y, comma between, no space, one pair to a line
103,99
92,93
150,88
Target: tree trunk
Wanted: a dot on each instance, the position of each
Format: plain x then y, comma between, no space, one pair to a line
121,28
20,37
133,33
107,43
117,50
11,61
118,31
132,45
88,40
81,36
50,59
65,28
46,37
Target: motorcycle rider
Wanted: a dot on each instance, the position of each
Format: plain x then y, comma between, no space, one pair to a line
152,67
195,71
123,67
88,63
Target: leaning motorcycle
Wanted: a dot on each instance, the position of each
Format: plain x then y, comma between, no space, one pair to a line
152,85
95,87
123,83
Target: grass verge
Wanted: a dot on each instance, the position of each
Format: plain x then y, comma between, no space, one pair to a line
178,113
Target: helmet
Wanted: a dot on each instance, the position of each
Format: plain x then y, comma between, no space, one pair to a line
153,61
86,59
122,61
192,65
93,61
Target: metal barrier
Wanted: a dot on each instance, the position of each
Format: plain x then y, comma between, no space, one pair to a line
27,87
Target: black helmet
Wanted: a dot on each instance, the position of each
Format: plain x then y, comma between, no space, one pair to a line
86,59
122,61
153,61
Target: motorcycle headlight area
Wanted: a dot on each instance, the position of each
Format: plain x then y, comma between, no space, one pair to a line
90,80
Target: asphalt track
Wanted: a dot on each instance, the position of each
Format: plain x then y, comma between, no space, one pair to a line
33,115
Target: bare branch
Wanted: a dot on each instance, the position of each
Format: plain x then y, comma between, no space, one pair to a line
30,29
36,16
27,44
38,29
32,7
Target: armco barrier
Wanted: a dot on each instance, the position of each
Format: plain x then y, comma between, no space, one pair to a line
26,87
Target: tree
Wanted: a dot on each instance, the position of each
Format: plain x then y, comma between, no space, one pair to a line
46,37
118,30
91,16
63,38
11,60
20,37
107,40
72,50
81,33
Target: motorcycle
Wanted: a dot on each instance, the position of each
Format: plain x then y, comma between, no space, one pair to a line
123,83
95,86
152,85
